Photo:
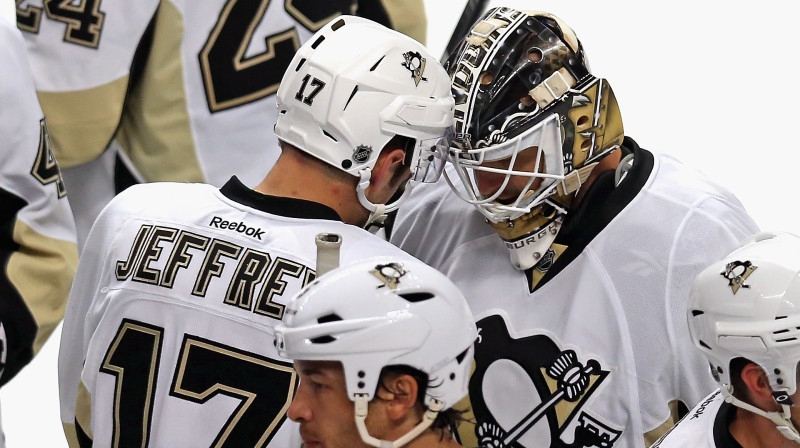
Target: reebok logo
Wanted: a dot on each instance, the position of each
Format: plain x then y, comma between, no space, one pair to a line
240,227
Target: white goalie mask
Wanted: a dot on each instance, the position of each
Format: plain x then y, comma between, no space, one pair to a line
355,85
748,306
380,313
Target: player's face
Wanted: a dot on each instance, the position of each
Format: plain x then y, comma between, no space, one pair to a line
321,406
489,182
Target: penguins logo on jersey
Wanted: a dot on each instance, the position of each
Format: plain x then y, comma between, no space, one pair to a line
736,272
543,409
389,274
415,63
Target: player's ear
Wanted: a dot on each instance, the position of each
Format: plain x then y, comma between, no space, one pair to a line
402,397
387,167
757,384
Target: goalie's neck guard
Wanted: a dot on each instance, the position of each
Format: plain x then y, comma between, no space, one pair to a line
530,236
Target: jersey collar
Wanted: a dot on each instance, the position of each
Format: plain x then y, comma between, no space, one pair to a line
236,191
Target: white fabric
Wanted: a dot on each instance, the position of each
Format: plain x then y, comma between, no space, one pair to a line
99,302
621,302
696,429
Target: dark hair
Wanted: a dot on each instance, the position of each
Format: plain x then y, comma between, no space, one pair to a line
449,419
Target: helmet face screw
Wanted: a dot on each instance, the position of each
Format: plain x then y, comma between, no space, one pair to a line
361,374
360,384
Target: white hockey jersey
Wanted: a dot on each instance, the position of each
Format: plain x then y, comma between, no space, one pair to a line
38,253
187,87
598,353
167,340
705,426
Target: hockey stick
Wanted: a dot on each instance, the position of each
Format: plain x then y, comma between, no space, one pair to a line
472,12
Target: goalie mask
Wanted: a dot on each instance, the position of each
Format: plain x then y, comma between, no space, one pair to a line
381,313
531,122
748,306
355,85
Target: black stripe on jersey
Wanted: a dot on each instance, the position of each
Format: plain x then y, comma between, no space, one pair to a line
374,10
722,430
84,441
601,204
17,319
235,190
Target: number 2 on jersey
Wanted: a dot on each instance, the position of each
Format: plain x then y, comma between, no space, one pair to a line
204,369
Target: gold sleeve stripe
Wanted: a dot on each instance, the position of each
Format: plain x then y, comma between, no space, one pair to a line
651,436
71,434
82,122
155,131
42,272
83,410
408,17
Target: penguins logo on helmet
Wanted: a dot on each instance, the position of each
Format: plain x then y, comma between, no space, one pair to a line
736,273
389,274
415,63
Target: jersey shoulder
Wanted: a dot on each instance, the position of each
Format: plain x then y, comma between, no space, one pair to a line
696,429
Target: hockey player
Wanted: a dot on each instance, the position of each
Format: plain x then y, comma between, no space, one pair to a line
744,316
180,285
586,321
186,90
383,349
38,252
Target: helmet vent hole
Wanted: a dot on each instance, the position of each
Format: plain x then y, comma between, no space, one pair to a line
461,356
327,134
317,42
300,64
322,339
780,317
583,120
346,164
697,312
535,55
585,144
352,94
415,297
372,69
486,78
339,23
329,318
704,345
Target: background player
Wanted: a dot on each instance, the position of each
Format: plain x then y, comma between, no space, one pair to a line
185,89
383,349
38,254
604,239
744,315
181,284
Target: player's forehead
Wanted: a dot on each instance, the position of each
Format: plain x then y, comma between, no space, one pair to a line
326,369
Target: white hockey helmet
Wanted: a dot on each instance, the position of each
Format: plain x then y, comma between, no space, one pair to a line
748,306
384,312
355,85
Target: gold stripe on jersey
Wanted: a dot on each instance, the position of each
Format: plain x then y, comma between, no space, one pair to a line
82,122
83,410
155,131
466,428
42,272
408,17
650,437
71,434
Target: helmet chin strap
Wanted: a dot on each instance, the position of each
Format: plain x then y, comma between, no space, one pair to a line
362,403
782,419
377,212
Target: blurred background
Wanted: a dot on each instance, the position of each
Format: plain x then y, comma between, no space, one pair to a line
708,82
